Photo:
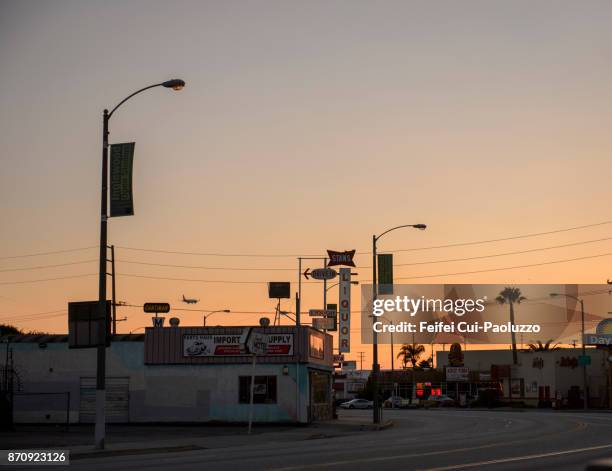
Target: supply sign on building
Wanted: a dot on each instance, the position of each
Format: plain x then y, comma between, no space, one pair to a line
205,345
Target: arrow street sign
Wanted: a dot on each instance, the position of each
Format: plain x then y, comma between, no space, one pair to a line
321,273
322,313
341,258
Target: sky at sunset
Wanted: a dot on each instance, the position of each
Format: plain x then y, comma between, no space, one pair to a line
304,126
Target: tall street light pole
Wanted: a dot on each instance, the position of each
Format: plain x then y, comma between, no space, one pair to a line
375,365
206,316
584,374
100,429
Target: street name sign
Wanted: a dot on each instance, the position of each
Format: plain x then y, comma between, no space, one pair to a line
321,273
330,313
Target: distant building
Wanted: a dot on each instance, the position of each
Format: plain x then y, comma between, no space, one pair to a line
176,374
539,378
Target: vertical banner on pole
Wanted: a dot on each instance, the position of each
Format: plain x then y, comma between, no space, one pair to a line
121,195
385,273
344,312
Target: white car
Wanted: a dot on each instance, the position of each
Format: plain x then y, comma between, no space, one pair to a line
357,404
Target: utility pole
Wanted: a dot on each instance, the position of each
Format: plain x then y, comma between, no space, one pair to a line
100,427
112,260
361,355
375,366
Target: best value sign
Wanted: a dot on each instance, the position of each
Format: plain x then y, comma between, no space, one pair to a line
344,311
457,373
208,345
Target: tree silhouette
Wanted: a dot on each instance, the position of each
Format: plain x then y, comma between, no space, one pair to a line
543,347
410,352
511,296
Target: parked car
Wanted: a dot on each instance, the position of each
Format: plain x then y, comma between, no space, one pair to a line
396,402
439,400
357,404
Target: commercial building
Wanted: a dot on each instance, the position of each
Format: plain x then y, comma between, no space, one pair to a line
176,374
550,377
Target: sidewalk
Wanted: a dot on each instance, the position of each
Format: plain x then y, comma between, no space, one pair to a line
141,439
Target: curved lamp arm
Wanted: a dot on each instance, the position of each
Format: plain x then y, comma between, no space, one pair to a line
416,226
175,84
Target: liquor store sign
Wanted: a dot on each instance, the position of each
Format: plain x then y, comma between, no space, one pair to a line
223,345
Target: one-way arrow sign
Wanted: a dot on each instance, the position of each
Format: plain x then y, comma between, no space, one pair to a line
306,273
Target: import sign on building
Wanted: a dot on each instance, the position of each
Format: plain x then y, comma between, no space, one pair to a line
344,312
204,345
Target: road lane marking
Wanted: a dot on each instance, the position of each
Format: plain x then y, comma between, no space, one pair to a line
579,426
518,458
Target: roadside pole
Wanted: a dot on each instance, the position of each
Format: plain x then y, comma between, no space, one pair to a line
252,391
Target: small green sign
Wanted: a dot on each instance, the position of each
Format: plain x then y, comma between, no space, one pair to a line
584,360
385,273
121,197
333,307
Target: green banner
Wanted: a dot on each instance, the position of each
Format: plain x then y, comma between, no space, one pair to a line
333,307
385,273
121,197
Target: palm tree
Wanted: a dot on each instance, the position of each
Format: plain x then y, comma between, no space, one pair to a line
511,296
543,347
410,352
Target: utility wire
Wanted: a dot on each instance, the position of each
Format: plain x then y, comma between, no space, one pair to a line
170,265
551,262
47,279
48,266
216,254
506,268
38,254
460,244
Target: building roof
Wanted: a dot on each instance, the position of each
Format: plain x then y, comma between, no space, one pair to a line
62,338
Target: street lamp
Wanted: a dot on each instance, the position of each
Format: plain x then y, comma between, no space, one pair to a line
210,313
336,284
99,434
584,375
375,365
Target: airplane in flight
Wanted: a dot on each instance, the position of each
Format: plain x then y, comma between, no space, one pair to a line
190,300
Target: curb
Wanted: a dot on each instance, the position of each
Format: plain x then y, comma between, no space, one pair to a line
376,427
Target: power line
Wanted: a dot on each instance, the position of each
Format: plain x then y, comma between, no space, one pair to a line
217,254
47,279
523,236
48,266
460,244
314,282
501,254
204,267
38,254
505,268
170,265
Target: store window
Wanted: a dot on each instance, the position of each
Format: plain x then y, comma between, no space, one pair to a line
264,391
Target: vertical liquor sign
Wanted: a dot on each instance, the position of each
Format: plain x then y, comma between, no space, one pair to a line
344,327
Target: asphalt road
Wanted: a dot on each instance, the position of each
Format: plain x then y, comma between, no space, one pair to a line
443,439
